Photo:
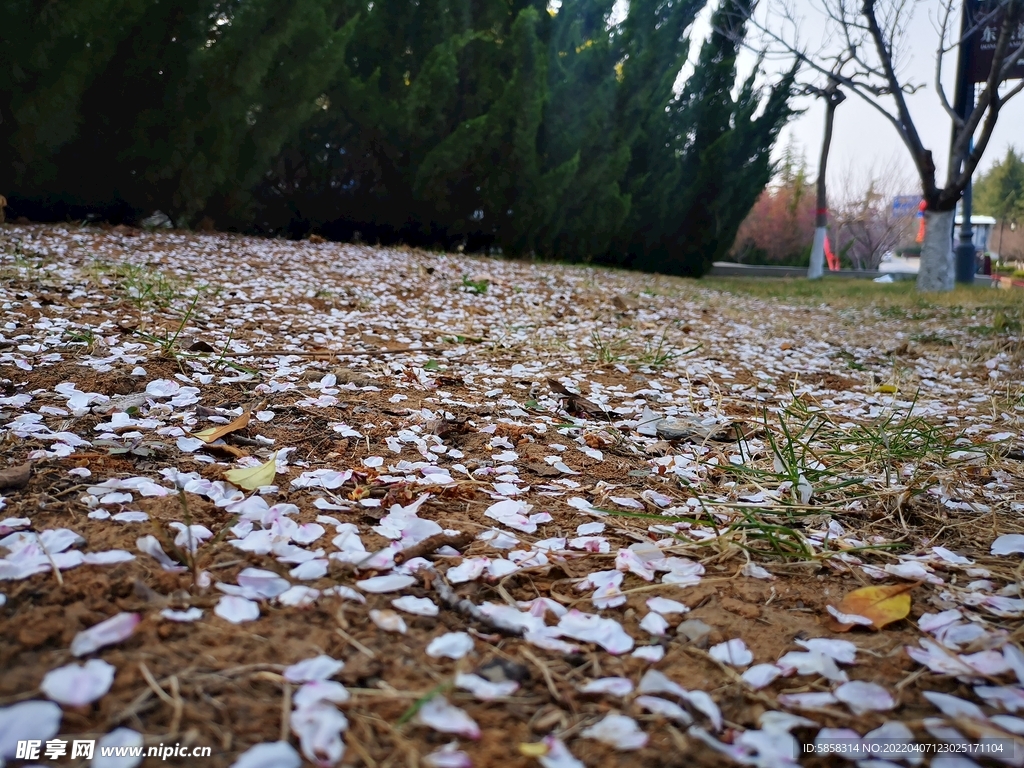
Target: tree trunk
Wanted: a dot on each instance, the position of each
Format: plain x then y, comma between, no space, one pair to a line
816,269
937,271
833,98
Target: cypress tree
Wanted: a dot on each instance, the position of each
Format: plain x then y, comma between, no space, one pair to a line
707,162
580,122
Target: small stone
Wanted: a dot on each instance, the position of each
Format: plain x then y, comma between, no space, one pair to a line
692,428
694,630
502,671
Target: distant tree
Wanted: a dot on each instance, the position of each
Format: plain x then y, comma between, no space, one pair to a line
999,192
872,35
780,226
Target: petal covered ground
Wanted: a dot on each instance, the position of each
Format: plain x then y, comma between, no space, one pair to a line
341,505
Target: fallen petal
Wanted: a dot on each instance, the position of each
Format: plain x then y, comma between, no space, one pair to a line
113,630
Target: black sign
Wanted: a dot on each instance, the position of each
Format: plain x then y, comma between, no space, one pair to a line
981,42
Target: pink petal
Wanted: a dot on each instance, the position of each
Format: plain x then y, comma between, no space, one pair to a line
861,696
113,630
76,685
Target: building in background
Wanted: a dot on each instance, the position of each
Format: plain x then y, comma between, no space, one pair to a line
983,226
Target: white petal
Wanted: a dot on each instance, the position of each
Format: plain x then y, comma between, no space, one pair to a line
452,645
388,620
389,583
316,691
760,675
733,652
842,651
811,663
237,609
953,706
588,628
270,754
649,653
807,700
616,686
298,596
443,717
319,667
448,756
418,606
319,728
665,708
309,570
27,720
558,755
76,685
483,689
1008,544
266,584
113,630
862,696
618,731
666,607
109,557
849,618
119,737
192,614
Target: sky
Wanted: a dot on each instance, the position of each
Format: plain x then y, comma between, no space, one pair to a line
864,141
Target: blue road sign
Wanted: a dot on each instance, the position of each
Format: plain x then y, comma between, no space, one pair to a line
904,205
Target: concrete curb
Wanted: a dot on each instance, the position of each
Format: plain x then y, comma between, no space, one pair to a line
729,269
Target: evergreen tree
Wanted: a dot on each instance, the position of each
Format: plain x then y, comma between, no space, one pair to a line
485,124
580,122
50,54
654,49
183,102
715,162
518,195
1000,191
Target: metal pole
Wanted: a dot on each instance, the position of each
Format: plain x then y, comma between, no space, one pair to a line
966,254
964,105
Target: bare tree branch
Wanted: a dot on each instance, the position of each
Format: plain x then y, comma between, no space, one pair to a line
922,158
942,50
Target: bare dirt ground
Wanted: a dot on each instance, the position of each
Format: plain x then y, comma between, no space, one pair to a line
536,515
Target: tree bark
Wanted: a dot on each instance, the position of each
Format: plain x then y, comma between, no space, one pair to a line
833,98
937,266
816,269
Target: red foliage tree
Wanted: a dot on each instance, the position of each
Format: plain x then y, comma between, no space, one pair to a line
780,227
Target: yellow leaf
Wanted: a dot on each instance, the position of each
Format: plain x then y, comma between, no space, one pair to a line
533,749
215,433
251,478
889,389
883,605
